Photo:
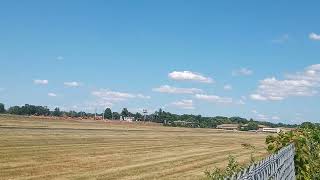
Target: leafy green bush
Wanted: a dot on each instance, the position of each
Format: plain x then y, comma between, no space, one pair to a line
218,174
307,148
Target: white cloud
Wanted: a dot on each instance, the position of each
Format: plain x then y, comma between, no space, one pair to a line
143,96
188,75
314,36
113,96
259,116
242,72
262,117
214,98
183,104
98,105
60,58
257,97
41,82
275,118
303,83
282,39
52,94
240,102
227,87
174,90
72,84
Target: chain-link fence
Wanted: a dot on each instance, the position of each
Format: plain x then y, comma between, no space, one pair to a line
279,166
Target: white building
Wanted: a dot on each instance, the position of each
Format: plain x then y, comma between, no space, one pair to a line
271,130
128,119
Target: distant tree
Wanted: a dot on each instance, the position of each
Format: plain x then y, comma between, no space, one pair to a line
57,112
137,116
253,125
124,112
307,125
81,114
15,110
2,109
108,113
116,115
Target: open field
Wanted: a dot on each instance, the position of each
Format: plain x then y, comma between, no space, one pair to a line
35,148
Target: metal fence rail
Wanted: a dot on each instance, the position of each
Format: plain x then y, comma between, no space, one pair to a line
279,166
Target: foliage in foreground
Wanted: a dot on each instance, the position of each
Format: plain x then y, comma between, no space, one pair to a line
218,174
307,153
233,166
307,148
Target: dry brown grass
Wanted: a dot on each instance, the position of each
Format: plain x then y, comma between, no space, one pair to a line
35,148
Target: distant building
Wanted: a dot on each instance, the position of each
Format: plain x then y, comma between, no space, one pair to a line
128,119
228,126
262,126
271,130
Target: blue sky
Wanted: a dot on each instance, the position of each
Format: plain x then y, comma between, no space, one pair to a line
232,58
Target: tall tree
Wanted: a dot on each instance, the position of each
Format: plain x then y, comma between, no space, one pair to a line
108,113
56,112
116,115
137,116
124,112
2,109
15,110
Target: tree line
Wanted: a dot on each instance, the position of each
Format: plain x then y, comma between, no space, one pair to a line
160,116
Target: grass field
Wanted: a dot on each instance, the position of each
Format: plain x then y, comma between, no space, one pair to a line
35,148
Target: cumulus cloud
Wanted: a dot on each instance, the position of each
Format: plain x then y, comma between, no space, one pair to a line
188,75
107,98
183,104
227,87
258,97
240,102
40,81
275,118
174,90
242,72
214,98
72,84
303,83
314,36
52,94
143,96
259,116
264,117
114,96
98,105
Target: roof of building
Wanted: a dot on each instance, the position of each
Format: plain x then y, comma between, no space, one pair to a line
263,126
228,126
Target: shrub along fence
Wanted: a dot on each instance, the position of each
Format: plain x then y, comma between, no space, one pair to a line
277,166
